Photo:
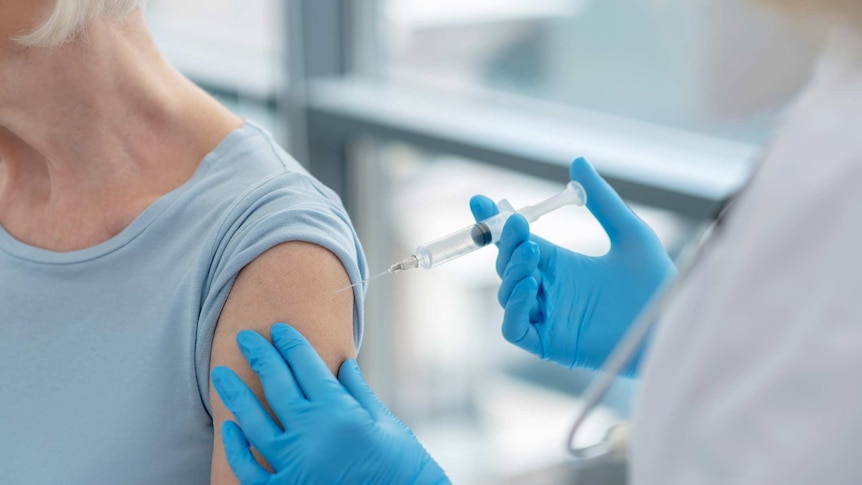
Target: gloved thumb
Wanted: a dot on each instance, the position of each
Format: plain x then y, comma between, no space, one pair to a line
351,378
602,200
483,207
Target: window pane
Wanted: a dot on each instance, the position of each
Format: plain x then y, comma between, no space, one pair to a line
719,67
235,49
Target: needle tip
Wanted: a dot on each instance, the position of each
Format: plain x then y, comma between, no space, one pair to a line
363,281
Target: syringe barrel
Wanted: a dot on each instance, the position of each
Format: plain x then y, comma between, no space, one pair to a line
490,230
461,242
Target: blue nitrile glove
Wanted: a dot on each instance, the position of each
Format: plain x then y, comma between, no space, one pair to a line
335,431
570,308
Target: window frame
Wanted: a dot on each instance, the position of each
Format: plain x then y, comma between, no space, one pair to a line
335,97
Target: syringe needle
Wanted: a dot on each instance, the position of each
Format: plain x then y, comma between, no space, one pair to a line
361,282
481,234
484,233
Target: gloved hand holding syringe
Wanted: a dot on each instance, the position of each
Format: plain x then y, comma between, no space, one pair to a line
484,233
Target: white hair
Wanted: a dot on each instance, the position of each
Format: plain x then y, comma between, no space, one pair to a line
71,16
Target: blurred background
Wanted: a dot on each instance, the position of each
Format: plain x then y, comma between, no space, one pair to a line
407,108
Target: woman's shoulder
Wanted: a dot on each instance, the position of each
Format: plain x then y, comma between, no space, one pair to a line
249,170
248,155
249,195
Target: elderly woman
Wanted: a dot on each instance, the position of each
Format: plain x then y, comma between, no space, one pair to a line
142,225
752,376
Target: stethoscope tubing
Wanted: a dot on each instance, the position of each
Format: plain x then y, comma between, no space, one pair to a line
613,445
610,448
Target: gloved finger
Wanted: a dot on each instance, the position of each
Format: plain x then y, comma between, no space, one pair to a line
536,309
350,376
549,258
279,386
517,328
240,458
249,412
515,232
606,205
482,207
311,373
524,262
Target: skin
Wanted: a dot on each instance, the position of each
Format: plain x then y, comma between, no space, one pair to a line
291,283
94,131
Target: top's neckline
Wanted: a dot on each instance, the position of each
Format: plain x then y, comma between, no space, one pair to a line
21,250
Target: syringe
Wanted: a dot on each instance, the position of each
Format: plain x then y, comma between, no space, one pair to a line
486,232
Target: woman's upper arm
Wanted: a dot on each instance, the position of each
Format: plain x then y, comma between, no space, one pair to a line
295,283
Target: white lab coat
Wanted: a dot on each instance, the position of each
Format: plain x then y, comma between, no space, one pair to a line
755,376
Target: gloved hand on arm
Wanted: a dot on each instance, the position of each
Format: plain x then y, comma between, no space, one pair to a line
570,308
334,430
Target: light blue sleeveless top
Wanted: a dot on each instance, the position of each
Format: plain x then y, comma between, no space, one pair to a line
104,352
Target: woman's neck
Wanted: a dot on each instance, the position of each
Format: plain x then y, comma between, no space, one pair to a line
94,131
